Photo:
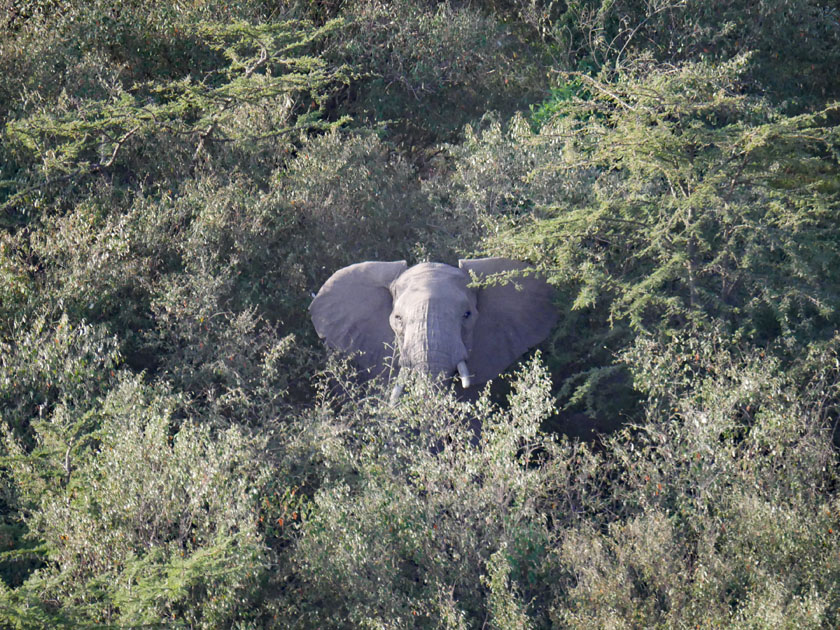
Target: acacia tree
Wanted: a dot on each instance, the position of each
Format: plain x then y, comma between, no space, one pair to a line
793,44
666,200
270,86
702,203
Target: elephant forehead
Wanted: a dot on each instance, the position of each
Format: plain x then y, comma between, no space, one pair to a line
437,278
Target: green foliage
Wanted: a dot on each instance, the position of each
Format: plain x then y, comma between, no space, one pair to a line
177,180
53,365
360,187
792,44
50,46
15,283
254,98
150,522
50,377
557,103
668,200
506,611
727,502
446,63
415,508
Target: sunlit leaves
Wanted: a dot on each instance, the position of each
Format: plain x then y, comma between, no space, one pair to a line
268,66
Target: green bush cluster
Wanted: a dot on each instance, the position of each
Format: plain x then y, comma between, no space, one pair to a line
729,517
144,523
660,203
446,63
792,43
718,510
387,543
178,179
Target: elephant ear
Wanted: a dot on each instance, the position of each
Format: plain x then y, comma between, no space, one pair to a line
351,312
510,319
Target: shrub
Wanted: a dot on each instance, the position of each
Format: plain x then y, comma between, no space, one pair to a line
665,201
360,187
249,96
724,504
425,69
153,520
721,509
53,364
414,508
88,47
792,47
177,181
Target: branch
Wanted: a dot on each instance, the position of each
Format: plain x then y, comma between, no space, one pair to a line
601,88
89,170
117,148
259,62
201,138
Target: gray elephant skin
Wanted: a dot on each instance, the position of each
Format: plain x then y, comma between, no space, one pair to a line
427,319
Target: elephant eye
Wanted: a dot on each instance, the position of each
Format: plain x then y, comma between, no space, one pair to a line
467,314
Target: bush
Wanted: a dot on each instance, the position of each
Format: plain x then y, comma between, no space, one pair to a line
362,188
161,130
721,509
792,47
666,201
426,69
177,180
54,364
725,502
153,520
414,510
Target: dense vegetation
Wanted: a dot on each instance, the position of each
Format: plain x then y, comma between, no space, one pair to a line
178,178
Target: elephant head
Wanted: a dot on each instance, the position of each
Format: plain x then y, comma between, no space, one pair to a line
432,319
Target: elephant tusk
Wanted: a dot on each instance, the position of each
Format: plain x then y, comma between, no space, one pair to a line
464,373
396,393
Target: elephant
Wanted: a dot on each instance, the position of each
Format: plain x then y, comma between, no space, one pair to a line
428,319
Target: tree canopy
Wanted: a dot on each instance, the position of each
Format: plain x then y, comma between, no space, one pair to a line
178,448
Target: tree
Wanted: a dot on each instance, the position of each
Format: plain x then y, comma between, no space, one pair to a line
668,200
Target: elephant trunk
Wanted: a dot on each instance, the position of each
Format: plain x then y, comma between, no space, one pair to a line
436,366
430,350
430,346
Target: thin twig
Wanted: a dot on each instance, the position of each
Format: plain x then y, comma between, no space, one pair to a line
118,146
601,88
